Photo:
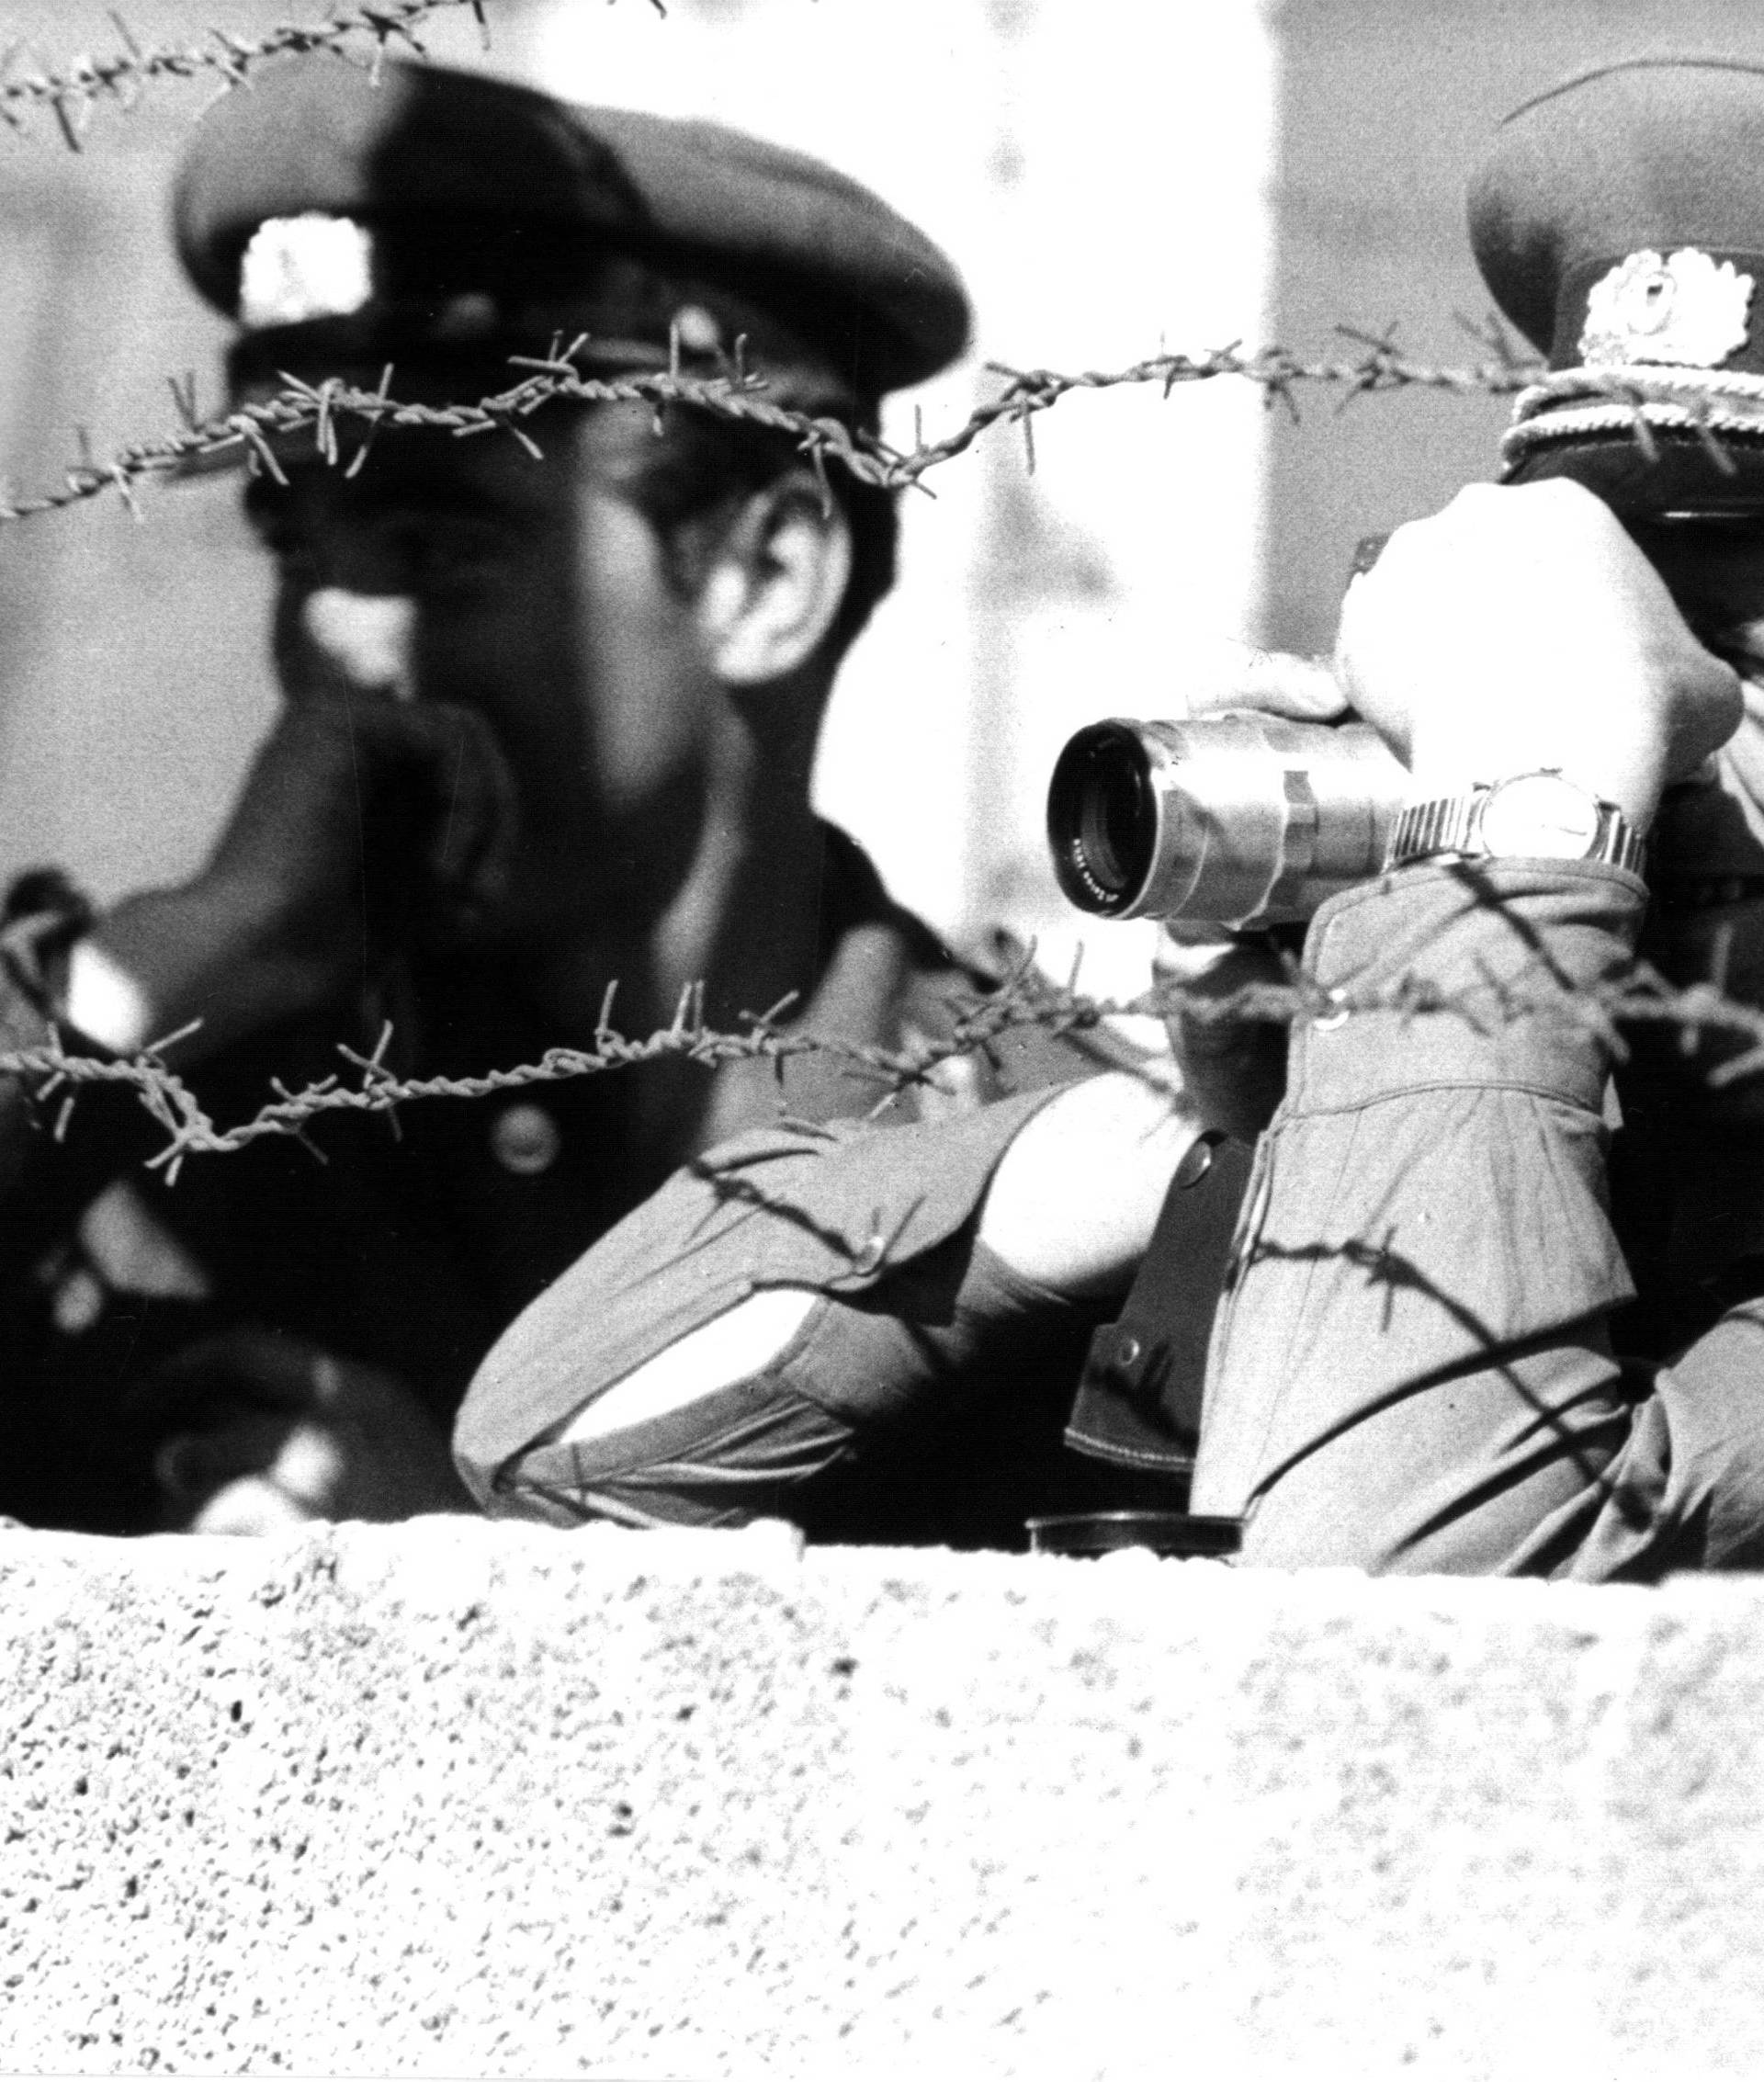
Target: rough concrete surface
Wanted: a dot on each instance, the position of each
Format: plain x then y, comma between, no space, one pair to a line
456,1799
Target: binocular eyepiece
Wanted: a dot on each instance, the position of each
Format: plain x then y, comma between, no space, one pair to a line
1241,819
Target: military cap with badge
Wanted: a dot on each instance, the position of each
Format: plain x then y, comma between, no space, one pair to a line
1619,220
433,213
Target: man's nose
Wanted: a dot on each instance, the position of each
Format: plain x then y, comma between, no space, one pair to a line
368,637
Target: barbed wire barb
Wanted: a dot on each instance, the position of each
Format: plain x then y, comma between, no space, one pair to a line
184,400
157,1048
376,419
70,134
130,42
1492,332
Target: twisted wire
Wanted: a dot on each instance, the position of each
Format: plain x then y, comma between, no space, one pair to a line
322,410
74,89
1638,996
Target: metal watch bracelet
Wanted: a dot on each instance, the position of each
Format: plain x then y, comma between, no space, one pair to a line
1452,824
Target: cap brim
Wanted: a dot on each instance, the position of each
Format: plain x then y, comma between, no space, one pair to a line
1684,473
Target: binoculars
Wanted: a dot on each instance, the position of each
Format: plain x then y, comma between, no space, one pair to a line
1242,820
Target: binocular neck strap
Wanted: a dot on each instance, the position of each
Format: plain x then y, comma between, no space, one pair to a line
1138,1402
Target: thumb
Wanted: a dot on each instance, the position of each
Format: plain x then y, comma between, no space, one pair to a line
1231,675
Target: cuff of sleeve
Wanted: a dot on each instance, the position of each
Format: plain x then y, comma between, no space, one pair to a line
1481,964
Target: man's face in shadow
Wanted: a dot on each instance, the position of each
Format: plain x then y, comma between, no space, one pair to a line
533,590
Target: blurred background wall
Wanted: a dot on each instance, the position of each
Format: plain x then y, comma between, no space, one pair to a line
1112,177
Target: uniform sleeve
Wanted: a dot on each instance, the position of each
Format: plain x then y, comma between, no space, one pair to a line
1412,1370
839,1209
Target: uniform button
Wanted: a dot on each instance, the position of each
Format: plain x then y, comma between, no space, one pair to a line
525,1139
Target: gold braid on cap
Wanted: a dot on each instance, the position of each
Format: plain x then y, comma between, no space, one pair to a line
1577,404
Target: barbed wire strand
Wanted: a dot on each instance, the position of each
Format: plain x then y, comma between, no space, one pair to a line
72,91
1638,996
735,392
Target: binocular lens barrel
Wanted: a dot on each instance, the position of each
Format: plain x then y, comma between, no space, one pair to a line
1241,818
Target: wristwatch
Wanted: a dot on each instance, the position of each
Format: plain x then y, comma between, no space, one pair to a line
1537,816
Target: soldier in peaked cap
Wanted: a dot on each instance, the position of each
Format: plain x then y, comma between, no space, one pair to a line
1475,1328
1618,222
547,725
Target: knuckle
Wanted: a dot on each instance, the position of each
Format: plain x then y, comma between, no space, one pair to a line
1409,541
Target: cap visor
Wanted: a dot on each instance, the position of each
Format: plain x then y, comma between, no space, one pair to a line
1683,475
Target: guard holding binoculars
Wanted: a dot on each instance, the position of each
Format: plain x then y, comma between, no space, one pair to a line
1496,1308
1449,1239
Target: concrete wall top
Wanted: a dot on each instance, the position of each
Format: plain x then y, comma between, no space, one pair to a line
452,1798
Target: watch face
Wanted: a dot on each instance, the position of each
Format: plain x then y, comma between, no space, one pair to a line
1541,816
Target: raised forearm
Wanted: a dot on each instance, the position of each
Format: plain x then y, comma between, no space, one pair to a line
1412,1370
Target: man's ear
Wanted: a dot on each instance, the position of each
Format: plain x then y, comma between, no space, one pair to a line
775,583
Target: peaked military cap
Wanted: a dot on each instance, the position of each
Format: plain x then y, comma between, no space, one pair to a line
1619,220
440,212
